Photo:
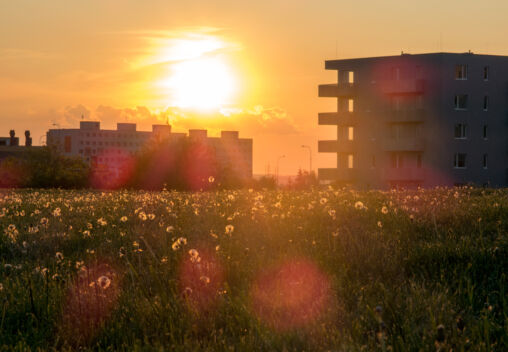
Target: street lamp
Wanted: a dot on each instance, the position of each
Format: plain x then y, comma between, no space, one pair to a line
310,158
278,159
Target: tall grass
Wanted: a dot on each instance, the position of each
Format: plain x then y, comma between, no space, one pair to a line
274,270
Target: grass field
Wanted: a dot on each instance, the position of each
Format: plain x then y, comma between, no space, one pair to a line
329,270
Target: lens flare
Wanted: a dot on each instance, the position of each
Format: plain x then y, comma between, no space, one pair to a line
291,295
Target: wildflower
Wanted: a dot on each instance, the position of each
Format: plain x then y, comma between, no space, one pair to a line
379,224
359,205
12,233
44,221
180,241
205,279
164,259
123,219
55,276
170,229
229,229
86,233
142,216
217,247
56,212
151,216
104,282
79,264
102,222
335,233
194,256
187,292
331,212
384,209
135,244
89,226
59,256
323,201
211,179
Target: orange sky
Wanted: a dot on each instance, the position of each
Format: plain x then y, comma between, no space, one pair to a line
113,60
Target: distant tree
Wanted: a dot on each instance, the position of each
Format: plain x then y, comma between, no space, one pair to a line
266,182
305,180
13,173
47,168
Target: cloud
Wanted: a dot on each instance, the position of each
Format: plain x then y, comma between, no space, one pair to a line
254,121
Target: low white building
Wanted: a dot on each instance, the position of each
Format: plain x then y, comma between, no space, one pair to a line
107,148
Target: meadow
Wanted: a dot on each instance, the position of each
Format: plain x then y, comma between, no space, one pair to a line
321,270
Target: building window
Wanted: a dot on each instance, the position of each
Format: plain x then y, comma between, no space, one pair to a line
485,161
485,132
460,72
350,161
419,161
397,160
461,102
67,144
419,102
486,103
459,161
351,77
460,131
350,133
486,73
350,105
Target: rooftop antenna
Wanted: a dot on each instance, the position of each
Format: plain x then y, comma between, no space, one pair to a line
441,41
82,117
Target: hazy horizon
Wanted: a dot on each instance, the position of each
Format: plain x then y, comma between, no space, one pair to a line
126,61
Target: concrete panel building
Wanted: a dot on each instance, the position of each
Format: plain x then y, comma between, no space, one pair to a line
418,120
109,149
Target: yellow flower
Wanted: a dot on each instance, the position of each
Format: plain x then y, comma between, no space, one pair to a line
229,229
123,219
59,256
104,282
194,256
384,209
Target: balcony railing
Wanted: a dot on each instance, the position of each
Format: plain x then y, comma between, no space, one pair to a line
404,86
334,146
334,174
413,115
415,144
337,118
337,90
404,174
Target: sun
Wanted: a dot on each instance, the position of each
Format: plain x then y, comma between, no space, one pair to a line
198,72
204,83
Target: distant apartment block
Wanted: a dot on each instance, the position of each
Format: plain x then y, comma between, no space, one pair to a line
10,147
109,148
418,121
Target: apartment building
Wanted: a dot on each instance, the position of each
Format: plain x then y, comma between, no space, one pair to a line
110,149
425,120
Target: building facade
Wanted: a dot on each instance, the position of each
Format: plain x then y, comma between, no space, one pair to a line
422,120
110,149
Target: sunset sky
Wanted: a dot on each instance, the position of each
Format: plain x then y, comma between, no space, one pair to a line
251,66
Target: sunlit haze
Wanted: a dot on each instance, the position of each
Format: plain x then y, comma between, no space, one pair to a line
247,66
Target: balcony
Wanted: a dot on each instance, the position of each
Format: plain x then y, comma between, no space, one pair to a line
334,174
415,144
337,118
337,90
405,86
415,115
403,174
335,146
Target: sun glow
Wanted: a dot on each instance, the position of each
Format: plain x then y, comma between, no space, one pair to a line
199,73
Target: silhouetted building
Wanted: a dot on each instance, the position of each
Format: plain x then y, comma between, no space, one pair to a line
9,146
104,148
418,120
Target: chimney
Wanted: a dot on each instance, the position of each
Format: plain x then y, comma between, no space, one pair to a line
28,139
13,139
